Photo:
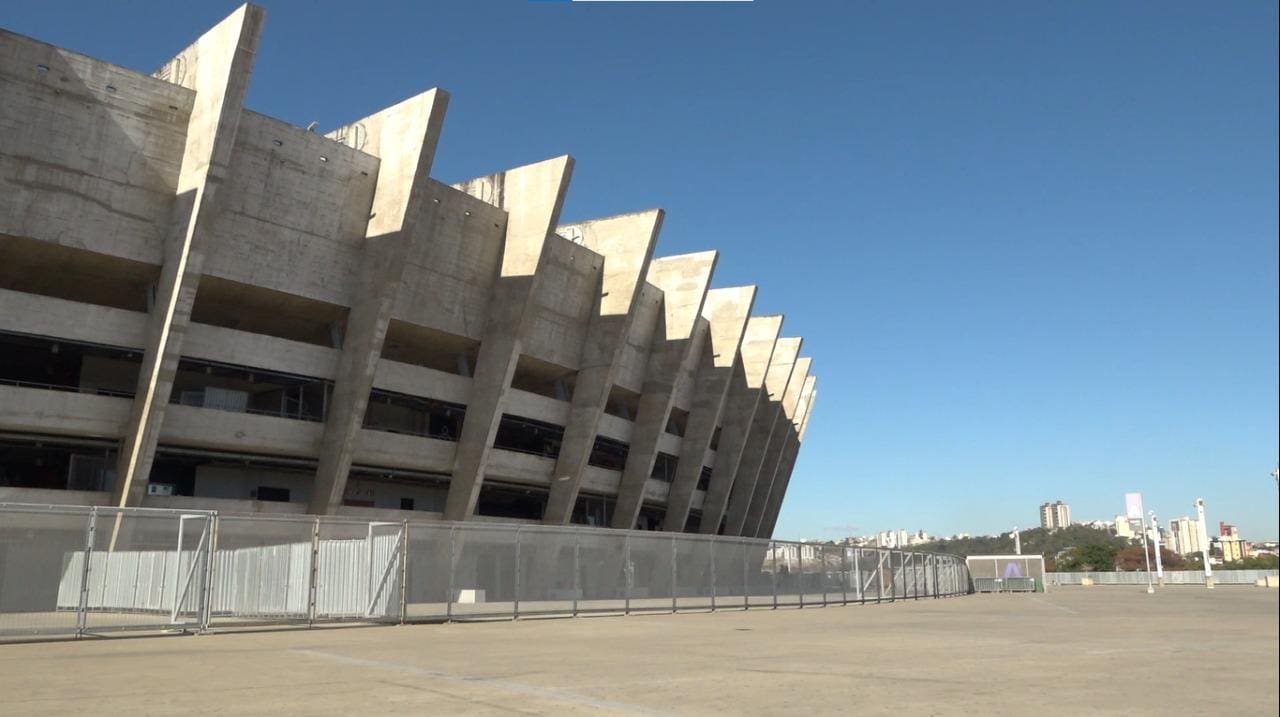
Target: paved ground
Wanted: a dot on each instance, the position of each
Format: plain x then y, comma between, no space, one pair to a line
1072,651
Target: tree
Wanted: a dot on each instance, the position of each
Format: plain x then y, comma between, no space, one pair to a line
1133,559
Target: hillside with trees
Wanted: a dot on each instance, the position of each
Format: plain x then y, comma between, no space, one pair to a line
1078,547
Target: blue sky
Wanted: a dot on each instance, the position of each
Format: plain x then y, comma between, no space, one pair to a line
1031,247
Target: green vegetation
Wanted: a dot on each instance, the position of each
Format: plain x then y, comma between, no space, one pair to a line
1257,562
1065,549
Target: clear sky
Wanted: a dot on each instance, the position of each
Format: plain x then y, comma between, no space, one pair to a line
1032,247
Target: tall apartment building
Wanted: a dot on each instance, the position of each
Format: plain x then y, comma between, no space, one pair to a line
205,307
1184,535
1055,515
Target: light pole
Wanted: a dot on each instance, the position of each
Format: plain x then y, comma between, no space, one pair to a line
1146,555
1204,544
1155,538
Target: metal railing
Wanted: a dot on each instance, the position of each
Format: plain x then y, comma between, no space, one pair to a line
1171,577
74,570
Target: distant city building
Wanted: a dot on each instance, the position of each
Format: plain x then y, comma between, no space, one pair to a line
1055,515
1227,530
1124,528
1184,535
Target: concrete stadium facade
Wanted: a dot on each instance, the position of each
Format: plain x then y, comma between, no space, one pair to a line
203,307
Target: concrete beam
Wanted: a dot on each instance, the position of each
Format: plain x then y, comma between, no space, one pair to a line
217,68
626,242
746,389
684,281
532,196
726,312
764,430
777,446
783,478
404,138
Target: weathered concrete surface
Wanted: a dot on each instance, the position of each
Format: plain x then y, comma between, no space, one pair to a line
684,281
786,431
1137,654
218,66
782,477
626,242
726,312
746,394
764,430
404,138
533,196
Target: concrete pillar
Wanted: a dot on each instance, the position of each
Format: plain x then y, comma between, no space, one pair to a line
783,478
726,312
404,138
532,197
784,433
217,68
683,281
767,419
626,242
746,386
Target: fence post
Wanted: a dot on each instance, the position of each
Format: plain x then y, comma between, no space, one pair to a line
210,551
746,579
800,581
857,574
314,577
712,543
404,571
937,592
577,581
515,589
626,574
674,574
82,610
453,560
774,552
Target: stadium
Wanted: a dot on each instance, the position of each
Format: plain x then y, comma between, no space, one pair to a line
203,308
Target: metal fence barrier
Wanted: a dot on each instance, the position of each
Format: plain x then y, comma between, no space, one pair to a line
76,570
1004,585
1171,577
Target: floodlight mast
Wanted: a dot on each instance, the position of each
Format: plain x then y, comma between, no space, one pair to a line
1204,544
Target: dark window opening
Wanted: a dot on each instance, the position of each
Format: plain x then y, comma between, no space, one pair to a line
592,510
608,453
694,522
543,378
704,478
715,439
664,467
528,436
47,269
60,365
502,501
414,416
406,504
242,389
233,305
622,403
38,464
650,517
276,495
677,421
429,348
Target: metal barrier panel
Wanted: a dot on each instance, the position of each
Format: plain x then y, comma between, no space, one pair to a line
652,571
603,571
41,568
789,580
730,573
484,571
695,572
547,576
1171,577
428,571
357,570
262,569
147,570
761,573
